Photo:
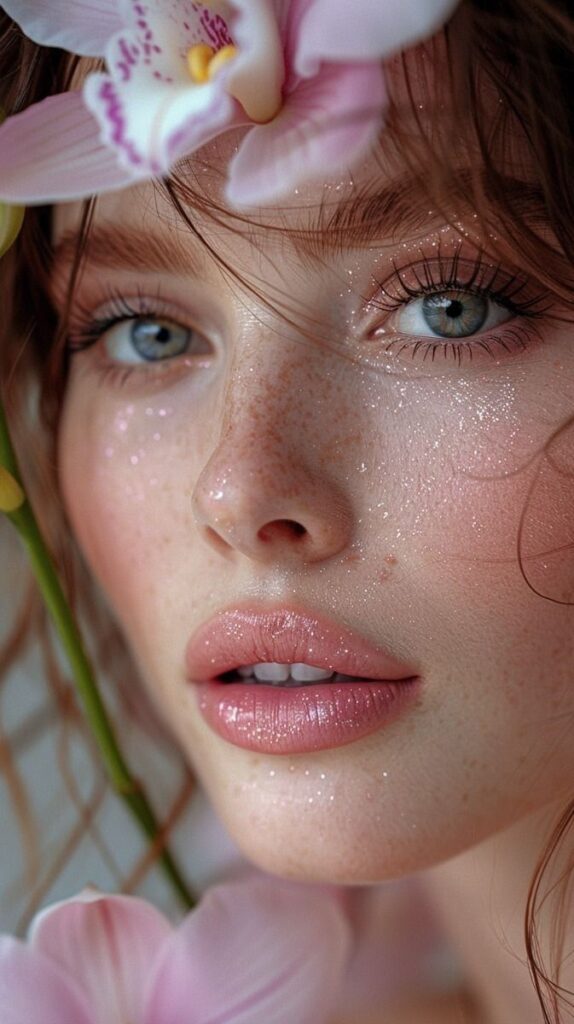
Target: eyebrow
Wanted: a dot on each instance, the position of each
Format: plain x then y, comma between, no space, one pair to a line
406,206
123,246
366,217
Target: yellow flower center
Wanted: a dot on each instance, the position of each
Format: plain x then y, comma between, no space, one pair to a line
204,62
12,496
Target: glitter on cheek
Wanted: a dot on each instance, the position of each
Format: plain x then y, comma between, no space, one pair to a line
123,419
126,443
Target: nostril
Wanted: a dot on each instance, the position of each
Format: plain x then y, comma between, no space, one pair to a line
216,540
281,529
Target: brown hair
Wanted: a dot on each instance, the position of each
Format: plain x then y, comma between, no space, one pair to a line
523,50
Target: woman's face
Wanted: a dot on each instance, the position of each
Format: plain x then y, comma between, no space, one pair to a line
354,454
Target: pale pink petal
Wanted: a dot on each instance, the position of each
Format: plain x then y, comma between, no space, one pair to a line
82,27
257,74
327,123
255,952
148,104
109,945
33,990
52,152
338,30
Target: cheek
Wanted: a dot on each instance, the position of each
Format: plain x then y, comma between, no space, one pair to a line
473,471
129,506
547,525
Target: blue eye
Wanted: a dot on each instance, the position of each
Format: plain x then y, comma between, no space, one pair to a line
152,339
455,313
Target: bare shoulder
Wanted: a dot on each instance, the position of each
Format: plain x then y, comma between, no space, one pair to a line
452,1008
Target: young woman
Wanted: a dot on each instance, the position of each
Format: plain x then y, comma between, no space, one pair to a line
318,454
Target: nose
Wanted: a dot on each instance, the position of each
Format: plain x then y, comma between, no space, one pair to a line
270,498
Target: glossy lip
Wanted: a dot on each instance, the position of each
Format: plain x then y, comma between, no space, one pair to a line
244,636
283,720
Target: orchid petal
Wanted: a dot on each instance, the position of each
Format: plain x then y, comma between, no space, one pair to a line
257,73
259,951
153,126
82,27
108,944
52,152
335,30
327,123
33,990
148,103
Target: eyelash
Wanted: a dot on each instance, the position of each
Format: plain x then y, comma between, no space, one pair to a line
87,329
475,277
431,276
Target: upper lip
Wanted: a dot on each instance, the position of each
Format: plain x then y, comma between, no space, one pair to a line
246,636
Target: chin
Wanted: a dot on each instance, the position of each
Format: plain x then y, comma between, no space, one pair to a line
333,845
354,816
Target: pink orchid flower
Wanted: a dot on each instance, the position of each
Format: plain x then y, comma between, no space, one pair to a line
303,76
259,951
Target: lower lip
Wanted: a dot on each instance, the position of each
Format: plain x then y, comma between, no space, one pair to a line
300,720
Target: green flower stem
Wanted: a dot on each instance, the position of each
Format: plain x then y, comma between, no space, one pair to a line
125,785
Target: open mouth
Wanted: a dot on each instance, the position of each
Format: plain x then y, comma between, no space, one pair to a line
272,673
256,690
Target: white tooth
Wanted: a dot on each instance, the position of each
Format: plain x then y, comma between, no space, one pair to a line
308,673
271,672
245,671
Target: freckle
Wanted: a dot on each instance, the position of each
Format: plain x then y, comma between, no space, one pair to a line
391,559
352,558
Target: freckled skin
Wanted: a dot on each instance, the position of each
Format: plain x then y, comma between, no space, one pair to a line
409,479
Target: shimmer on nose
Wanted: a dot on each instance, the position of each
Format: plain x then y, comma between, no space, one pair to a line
270,507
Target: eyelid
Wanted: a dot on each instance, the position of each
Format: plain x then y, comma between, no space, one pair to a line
466,268
474,272
90,320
